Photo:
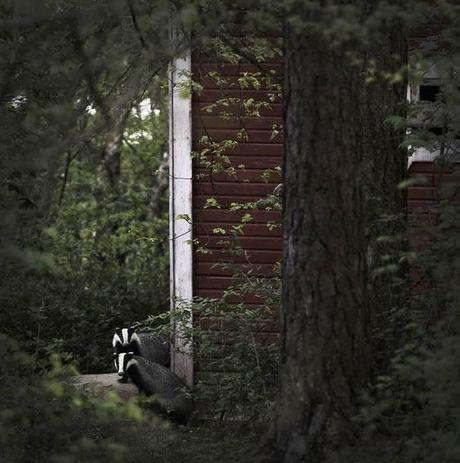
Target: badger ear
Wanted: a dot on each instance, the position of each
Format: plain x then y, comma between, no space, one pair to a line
116,339
135,342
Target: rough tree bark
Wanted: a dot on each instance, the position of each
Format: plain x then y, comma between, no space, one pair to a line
324,354
329,154
325,313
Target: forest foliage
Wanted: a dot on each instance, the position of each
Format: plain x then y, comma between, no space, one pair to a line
84,233
84,230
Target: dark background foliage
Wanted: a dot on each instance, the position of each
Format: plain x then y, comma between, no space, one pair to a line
84,242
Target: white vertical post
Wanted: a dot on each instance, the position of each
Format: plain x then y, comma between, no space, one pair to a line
180,169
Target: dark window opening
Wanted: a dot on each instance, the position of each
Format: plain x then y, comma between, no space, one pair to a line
429,92
441,132
436,131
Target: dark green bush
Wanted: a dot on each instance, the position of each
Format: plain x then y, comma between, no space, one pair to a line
42,418
416,404
235,351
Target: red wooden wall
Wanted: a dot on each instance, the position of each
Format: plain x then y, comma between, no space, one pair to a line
263,248
259,152
429,189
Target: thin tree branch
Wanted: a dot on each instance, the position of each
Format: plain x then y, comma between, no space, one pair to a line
68,161
136,25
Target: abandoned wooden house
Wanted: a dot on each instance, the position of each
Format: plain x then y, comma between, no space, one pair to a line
203,206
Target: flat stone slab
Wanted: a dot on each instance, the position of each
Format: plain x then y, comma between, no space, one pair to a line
101,385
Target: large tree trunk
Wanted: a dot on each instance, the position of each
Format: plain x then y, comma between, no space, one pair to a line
329,160
325,314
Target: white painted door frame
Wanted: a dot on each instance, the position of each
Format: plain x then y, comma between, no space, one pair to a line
180,211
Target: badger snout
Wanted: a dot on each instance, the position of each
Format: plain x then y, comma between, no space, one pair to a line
121,363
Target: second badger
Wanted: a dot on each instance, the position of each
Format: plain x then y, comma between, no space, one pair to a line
147,345
172,395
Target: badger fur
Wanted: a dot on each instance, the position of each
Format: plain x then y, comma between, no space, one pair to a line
147,345
171,394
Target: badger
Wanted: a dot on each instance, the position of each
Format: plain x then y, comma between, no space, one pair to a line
119,363
172,396
147,345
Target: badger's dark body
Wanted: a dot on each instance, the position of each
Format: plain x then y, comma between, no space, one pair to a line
152,347
171,394
148,345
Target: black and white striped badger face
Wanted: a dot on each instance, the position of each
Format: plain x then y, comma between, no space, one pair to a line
125,341
122,362
122,339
